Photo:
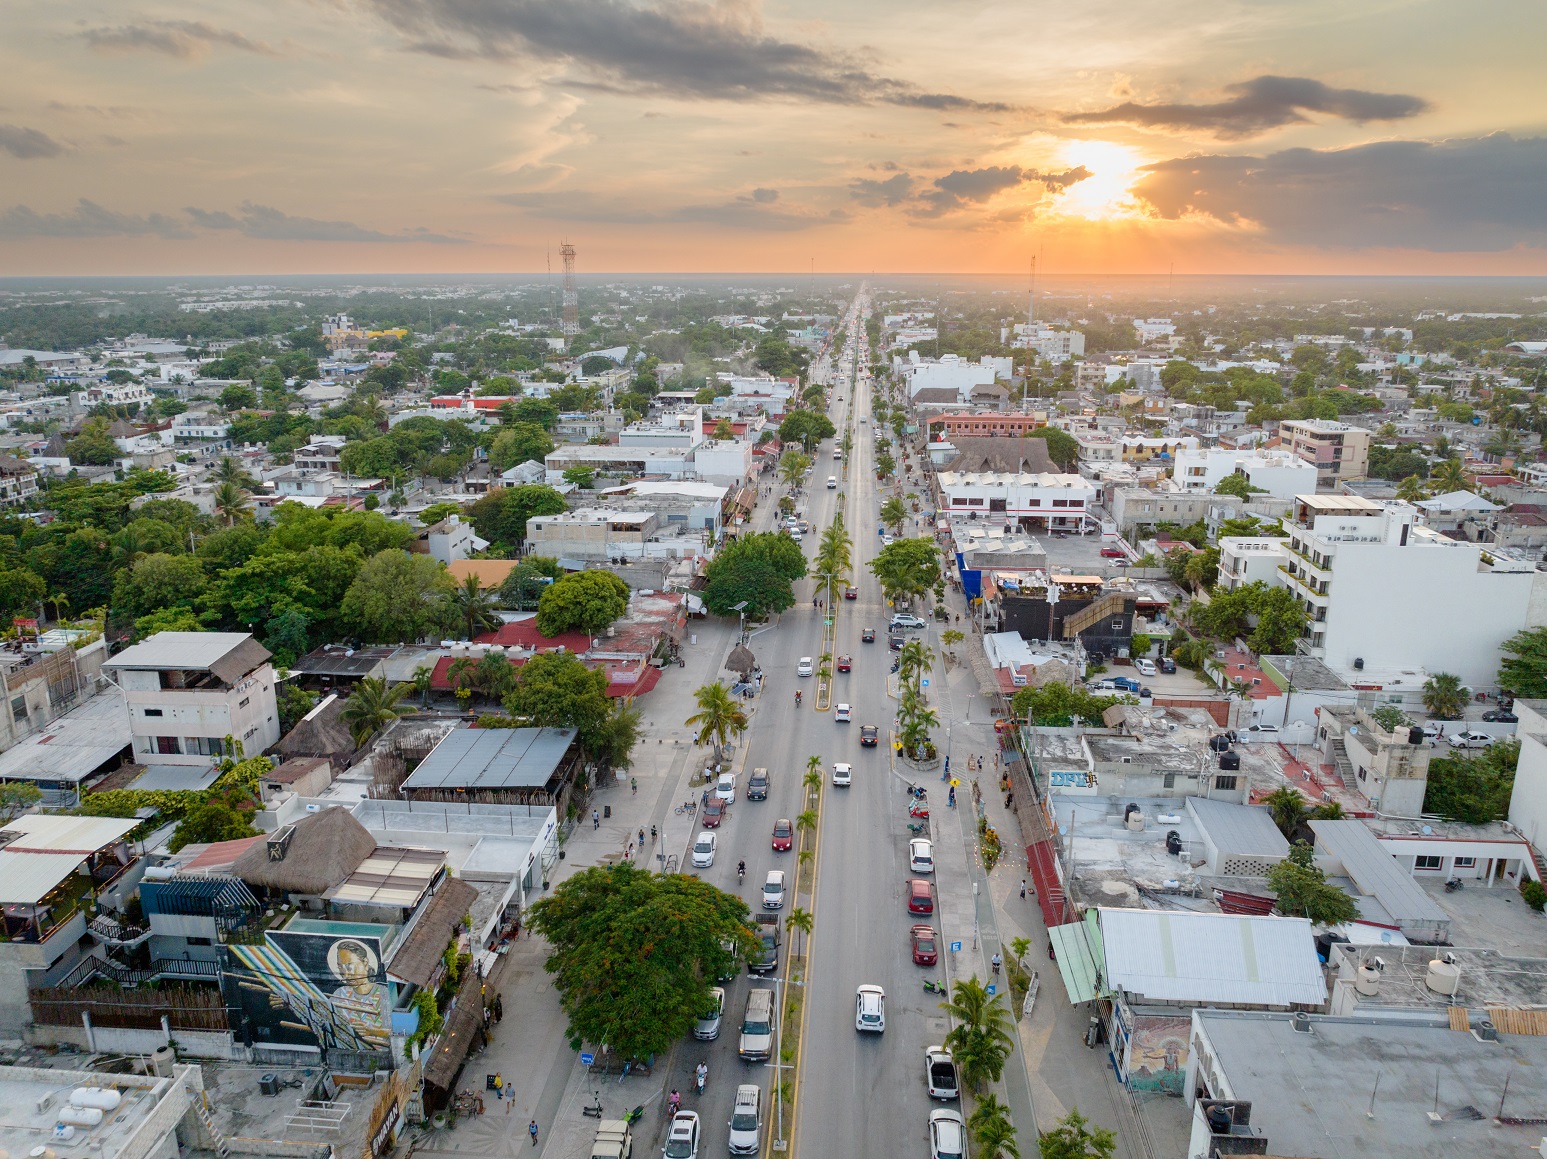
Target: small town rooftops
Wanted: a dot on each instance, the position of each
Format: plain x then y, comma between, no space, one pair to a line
494,758
228,655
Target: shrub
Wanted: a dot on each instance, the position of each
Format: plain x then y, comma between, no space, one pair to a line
1535,894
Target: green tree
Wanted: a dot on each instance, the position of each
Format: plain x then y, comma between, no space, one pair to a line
519,443
17,797
501,515
294,702
584,601
993,1131
1445,697
1523,673
1450,475
886,466
21,591
724,432
158,581
238,396
894,513
633,953
981,1040
230,470
806,427
232,503
582,477
372,706
1076,1138
719,719
1280,622
906,569
1288,808
1411,489
793,465
1238,485
1139,645
167,620
218,817
93,447
1303,890
397,598
557,690
435,512
471,607
915,660
1475,789
611,745
760,569
1061,446
1059,705
527,581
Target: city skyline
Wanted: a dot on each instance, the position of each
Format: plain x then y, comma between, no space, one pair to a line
436,136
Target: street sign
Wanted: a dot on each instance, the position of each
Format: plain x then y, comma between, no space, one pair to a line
991,989
956,947
925,682
586,1058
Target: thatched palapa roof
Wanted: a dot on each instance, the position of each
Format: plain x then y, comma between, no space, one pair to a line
310,857
741,660
320,733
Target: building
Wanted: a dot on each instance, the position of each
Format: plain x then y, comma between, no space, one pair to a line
18,482
448,541
1237,840
524,766
1389,767
321,454
604,535
1366,572
1337,451
1386,893
984,424
1249,559
948,372
1278,473
200,427
137,1116
1046,500
1050,344
190,695
1528,798
1058,606
699,506
89,739
621,462
1149,329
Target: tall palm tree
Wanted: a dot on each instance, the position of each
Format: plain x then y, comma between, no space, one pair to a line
719,718
1411,489
1445,697
813,778
993,1131
981,1040
472,606
462,673
59,600
801,920
230,470
792,466
914,661
421,684
1450,476
1288,809
370,408
806,821
894,513
232,503
372,706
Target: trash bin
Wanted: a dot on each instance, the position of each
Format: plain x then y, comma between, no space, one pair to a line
606,810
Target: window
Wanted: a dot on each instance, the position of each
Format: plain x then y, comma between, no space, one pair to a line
246,700
1168,781
19,707
168,746
198,941
1428,861
153,712
1465,863
1224,782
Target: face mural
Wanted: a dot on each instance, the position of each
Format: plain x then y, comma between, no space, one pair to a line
310,989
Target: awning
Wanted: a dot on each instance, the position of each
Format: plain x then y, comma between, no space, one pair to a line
1081,958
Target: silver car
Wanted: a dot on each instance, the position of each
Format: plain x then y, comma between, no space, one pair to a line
707,1028
747,1120
773,890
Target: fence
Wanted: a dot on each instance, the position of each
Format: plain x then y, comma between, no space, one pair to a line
184,1007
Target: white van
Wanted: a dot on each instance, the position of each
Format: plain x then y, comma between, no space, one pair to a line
757,1027
832,482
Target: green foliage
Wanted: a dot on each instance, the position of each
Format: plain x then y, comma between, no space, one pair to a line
19,796
93,447
397,598
1534,894
294,703
557,690
806,427
1523,672
21,590
894,513
1280,620
1238,485
527,581
1303,891
1396,463
372,706
981,1040
1075,1137
1057,705
173,805
1062,447
792,465
586,601
634,953
582,477
759,568
908,568
777,357
159,581
219,817
1139,645
1390,717
720,716
1473,788
519,443
501,515
471,608
993,1130
1288,808
167,620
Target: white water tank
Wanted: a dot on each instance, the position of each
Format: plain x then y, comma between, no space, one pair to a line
163,1058
1367,981
80,1116
1443,977
1135,821
41,1153
103,1098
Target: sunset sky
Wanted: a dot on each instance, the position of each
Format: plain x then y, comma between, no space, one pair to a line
1108,136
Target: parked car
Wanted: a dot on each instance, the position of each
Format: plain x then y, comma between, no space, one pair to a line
1113,553
1470,740
921,856
707,1029
746,1123
783,835
947,1135
895,641
940,1074
1115,684
714,813
921,897
1145,667
843,775
870,1009
682,1136
926,951
1168,665
1499,716
725,787
773,889
805,666
887,541
703,850
869,734
841,714
845,663
906,620
1261,732
868,636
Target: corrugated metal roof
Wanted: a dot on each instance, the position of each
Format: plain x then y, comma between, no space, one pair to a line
1199,958
48,833
1244,829
74,746
493,758
1369,866
188,651
1081,961
26,877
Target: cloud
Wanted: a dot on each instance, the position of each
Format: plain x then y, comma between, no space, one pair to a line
751,212
875,194
28,144
688,49
1468,194
1258,105
765,196
184,39
88,219
962,187
269,224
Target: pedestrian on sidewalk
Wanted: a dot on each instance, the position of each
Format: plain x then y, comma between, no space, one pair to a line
499,1008
633,784
630,853
1023,889
596,820
641,837
652,835
532,1131
499,1088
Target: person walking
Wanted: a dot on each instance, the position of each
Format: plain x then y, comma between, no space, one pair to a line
1023,889
531,1129
499,1088
652,835
633,786
641,837
596,820
499,1008
630,853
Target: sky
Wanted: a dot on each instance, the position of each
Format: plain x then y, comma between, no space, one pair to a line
1098,137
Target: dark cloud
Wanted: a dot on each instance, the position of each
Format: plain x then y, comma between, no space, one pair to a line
28,144
269,224
963,187
184,39
1260,104
765,196
1459,195
875,194
745,213
688,49
88,219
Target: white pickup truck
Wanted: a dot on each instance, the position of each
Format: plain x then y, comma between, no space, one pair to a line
940,1074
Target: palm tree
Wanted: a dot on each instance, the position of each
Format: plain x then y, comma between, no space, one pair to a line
372,706
801,920
462,673
805,857
232,503
1288,809
1450,476
421,684
1411,489
993,1131
915,660
370,408
59,600
806,822
472,607
981,1039
792,465
720,717
813,778
229,470
894,513
1445,697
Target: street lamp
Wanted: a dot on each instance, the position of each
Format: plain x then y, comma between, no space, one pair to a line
741,611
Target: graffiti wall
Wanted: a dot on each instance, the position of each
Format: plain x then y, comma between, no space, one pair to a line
327,990
1151,1050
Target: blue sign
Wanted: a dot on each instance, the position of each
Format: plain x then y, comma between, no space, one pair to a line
925,682
586,1058
991,989
956,947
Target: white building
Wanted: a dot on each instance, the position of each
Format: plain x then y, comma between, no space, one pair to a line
189,693
1276,472
114,394
1384,593
1528,799
1150,329
1246,559
448,541
949,372
201,425
1057,501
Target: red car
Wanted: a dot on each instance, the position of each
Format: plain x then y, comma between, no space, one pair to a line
845,663
714,813
851,593
921,899
1113,553
784,835
925,952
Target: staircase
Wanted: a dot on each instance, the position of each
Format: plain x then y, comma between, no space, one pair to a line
1345,767
1093,615
1540,862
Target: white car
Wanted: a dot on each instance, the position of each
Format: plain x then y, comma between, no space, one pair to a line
887,541
1260,732
841,714
1144,667
838,454
682,1137
725,787
832,482
870,1009
703,851
907,620
773,889
747,1120
843,775
1470,740
806,666
921,856
947,1135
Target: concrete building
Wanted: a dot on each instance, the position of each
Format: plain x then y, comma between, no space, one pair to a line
18,481
1387,895
1365,571
619,461
1391,768
984,424
1149,329
593,534
1248,559
1136,507
1278,473
698,506
1528,798
1049,501
948,372
448,541
191,693
137,1116
200,427
1338,451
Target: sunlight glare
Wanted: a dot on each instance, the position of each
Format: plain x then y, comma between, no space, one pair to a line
1105,194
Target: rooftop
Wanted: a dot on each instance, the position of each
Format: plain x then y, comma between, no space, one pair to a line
139,1125
1375,871
1488,978
74,746
229,655
389,877
40,851
1115,865
1239,829
504,758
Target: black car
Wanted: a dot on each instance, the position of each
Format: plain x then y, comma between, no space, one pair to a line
868,636
1168,665
1499,716
868,735
896,641
757,785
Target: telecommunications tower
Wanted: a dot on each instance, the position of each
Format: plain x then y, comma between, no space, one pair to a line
571,323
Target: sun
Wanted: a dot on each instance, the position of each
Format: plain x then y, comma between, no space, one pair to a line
1106,194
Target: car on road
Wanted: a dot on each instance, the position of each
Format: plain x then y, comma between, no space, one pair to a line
947,1135
707,1028
921,856
868,636
725,787
926,951
1469,740
805,666
714,813
851,593
921,898
1500,716
887,541
907,620
845,663
757,785
869,734
895,641
940,1074
783,835
704,850
870,1009
682,1136
746,1123
832,482
837,453
1168,666
841,714
843,775
773,889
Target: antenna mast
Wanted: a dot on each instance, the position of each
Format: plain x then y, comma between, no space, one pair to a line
571,324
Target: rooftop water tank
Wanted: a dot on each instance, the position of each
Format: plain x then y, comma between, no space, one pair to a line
1367,981
80,1116
103,1098
1443,977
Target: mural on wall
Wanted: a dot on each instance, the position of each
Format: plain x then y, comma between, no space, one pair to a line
1155,1058
304,989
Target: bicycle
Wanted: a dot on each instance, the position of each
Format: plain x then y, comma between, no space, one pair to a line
686,807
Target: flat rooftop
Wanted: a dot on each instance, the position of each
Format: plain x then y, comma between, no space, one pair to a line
1488,978
73,747
125,1130
1116,866
186,651
496,758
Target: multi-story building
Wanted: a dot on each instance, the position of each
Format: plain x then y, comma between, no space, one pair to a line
985,424
321,454
113,394
1246,559
1276,472
1048,500
949,372
18,481
200,426
1050,345
1337,451
592,534
1149,329
192,696
1384,593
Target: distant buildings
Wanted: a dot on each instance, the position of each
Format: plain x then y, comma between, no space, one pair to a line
1338,451
1279,473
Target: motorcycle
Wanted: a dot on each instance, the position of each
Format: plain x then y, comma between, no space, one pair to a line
703,1076
1452,885
918,828
797,696
917,792
933,987
918,810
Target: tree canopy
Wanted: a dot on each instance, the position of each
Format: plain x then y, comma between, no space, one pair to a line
1062,447
501,515
759,568
1474,788
1056,704
806,427
1303,890
557,690
397,598
907,568
585,601
1523,672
